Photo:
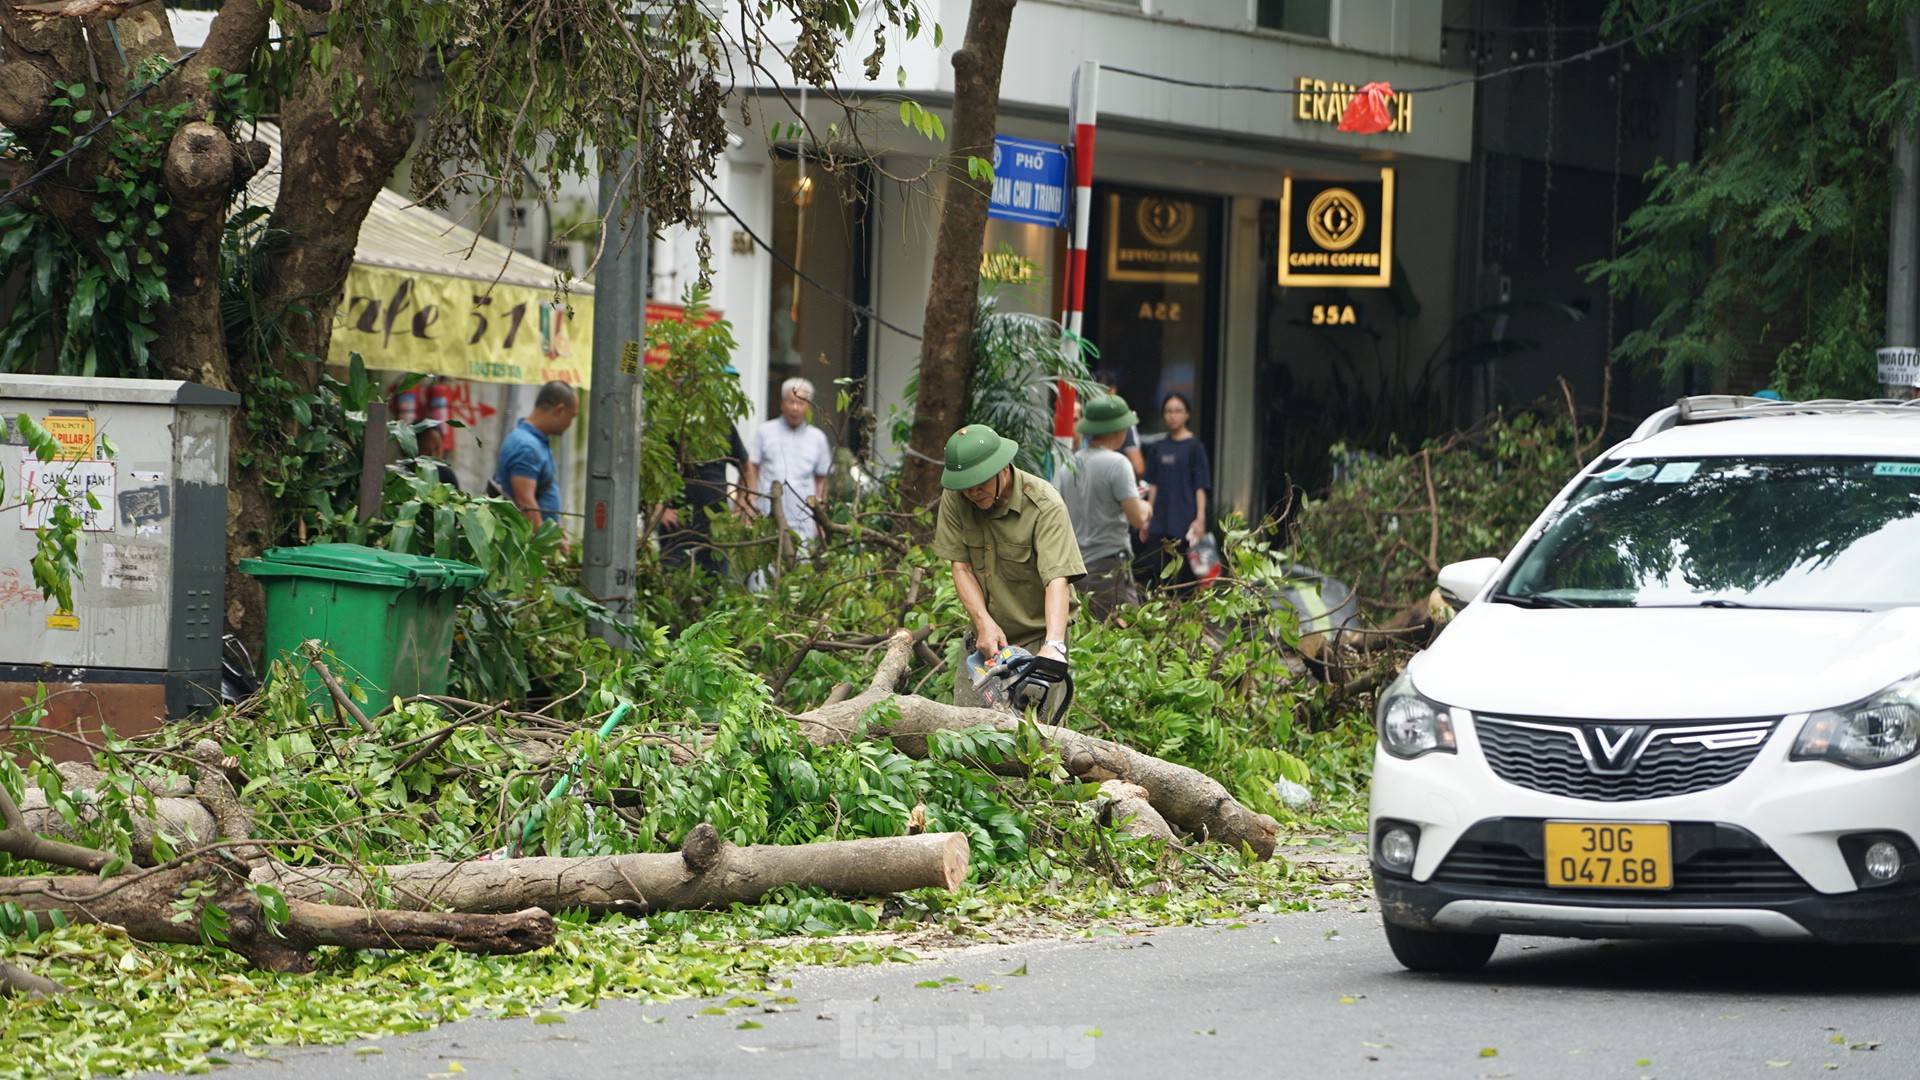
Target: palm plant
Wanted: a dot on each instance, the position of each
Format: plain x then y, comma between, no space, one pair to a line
1020,360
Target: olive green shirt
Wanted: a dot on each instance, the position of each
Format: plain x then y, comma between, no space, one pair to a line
1014,550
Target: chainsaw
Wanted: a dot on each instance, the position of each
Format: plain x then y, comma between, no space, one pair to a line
1017,679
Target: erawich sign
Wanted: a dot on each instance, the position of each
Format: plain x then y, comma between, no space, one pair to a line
1337,232
407,320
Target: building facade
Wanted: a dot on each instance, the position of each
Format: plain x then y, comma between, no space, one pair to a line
1503,190
1183,279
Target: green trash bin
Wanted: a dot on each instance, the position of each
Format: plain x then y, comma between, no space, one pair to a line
386,617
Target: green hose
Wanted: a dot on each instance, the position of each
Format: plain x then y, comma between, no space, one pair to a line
538,817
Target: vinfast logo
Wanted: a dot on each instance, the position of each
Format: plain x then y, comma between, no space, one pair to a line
1612,748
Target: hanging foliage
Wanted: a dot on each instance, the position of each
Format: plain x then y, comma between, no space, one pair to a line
1772,243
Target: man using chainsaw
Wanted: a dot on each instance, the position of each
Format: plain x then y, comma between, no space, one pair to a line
1014,556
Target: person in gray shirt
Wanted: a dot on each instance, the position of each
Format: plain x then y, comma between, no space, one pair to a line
1104,504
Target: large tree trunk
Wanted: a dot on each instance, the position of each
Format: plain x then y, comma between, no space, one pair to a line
144,905
707,872
946,351
341,166
1188,799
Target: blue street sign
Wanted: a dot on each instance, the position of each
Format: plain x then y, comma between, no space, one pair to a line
1029,182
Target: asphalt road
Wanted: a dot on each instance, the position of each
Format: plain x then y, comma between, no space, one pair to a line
1307,995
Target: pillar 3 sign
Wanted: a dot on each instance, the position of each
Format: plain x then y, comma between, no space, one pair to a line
1337,232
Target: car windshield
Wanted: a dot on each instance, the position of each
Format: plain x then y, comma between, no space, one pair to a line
1768,532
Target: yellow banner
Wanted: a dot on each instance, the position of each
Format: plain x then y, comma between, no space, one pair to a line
399,320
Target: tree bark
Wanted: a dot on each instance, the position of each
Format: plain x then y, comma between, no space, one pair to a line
145,905
707,872
1130,810
15,979
1188,799
333,169
184,823
946,351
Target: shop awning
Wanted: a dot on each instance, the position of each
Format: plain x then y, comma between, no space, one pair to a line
428,295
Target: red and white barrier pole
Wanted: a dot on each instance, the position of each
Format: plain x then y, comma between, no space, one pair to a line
1084,121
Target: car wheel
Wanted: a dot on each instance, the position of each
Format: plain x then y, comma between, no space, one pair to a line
1439,950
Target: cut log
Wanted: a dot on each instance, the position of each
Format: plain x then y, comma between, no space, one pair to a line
143,905
707,872
15,979
1129,810
1186,798
213,813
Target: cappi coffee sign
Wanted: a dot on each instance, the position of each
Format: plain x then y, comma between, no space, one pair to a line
1337,232
1152,238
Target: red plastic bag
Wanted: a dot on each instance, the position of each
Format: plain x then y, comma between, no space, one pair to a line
1367,113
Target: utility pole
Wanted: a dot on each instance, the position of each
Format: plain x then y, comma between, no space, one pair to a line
612,532
1900,360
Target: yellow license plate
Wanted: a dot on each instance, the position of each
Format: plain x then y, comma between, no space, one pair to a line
1609,855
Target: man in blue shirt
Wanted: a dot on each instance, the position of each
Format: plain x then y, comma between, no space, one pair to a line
526,473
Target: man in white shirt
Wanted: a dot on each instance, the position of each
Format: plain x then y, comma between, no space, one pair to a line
794,453
1104,503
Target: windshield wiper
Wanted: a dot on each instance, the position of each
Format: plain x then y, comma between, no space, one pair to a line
1536,600
1767,607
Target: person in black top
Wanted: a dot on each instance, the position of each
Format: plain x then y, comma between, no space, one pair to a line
1179,479
685,526
432,443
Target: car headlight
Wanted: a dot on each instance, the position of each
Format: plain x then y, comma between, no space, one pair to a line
1882,730
1411,725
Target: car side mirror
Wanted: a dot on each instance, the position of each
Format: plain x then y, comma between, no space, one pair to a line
1462,581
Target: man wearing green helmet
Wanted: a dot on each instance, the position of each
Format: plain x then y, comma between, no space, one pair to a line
1011,544
1101,497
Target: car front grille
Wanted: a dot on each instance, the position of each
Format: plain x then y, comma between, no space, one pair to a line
1616,762
1747,872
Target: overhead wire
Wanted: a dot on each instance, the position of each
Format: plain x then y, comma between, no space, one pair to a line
86,137
1532,65
851,304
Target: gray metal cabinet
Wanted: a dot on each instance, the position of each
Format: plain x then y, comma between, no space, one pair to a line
148,607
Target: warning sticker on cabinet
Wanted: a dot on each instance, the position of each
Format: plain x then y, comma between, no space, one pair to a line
86,486
134,568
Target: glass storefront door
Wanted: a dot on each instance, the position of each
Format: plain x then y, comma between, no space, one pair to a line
820,226
1153,299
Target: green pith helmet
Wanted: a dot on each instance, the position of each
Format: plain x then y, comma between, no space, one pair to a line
1105,415
974,454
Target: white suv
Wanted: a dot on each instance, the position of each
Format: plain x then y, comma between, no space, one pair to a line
1687,705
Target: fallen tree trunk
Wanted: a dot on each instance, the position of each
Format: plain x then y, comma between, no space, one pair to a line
206,899
707,872
146,905
1187,798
